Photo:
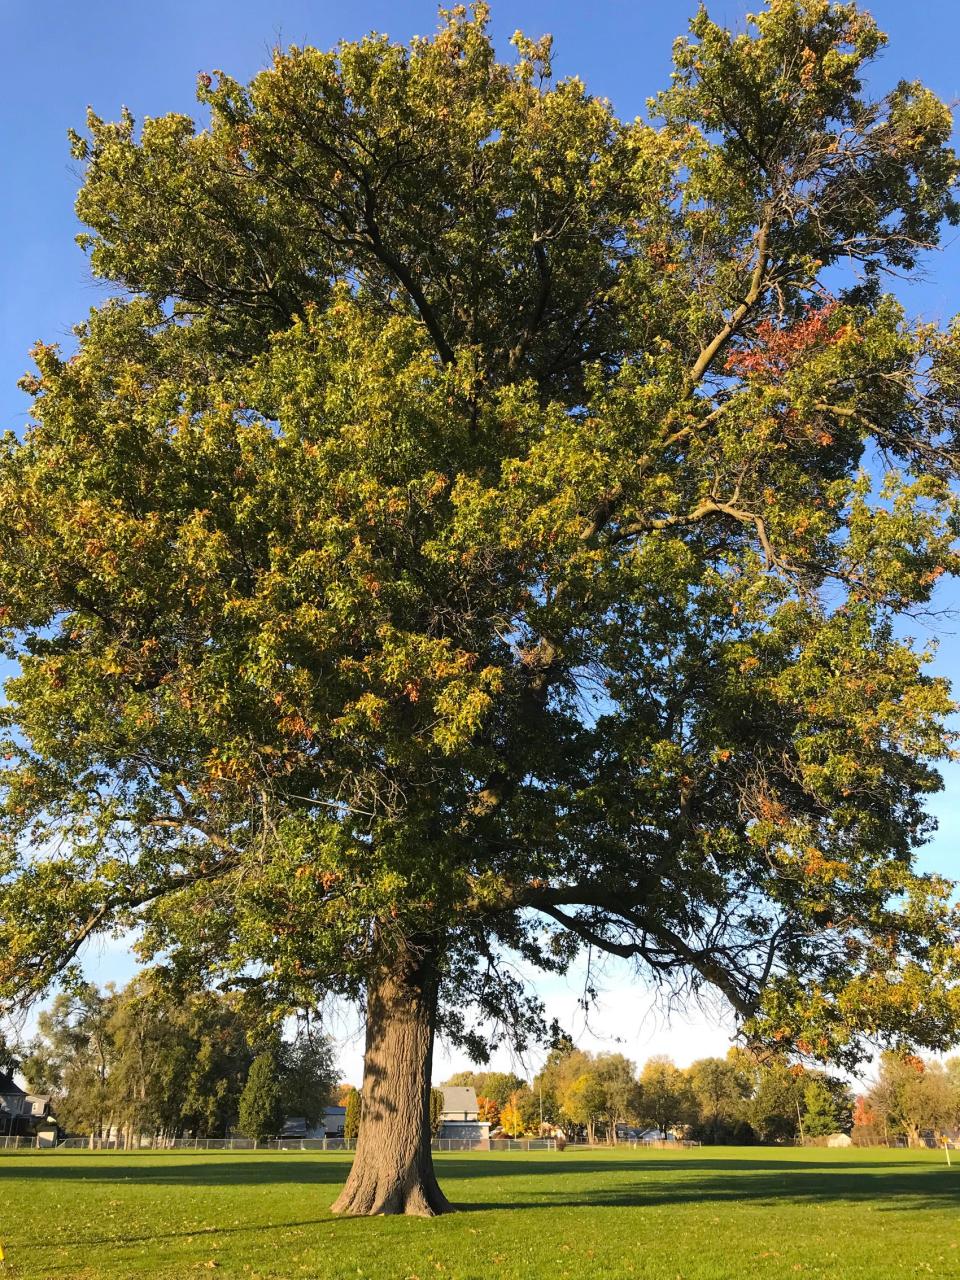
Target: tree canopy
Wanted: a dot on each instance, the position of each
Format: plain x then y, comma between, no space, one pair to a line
480,525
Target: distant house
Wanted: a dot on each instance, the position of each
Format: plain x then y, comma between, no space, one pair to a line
460,1119
22,1114
330,1125
333,1121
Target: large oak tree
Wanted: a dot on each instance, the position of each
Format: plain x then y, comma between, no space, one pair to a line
479,526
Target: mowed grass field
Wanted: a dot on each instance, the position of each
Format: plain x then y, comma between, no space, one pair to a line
704,1214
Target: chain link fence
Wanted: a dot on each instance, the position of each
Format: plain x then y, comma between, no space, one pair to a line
147,1143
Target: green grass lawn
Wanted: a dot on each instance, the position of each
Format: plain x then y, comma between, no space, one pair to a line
720,1214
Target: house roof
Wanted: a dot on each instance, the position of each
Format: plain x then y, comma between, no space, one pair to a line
459,1100
17,1100
9,1087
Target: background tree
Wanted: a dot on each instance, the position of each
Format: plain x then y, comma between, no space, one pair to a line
546,1082
938,1106
665,1098
151,1060
511,1118
621,1091
895,1094
719,1092
308,1076
776,1096
866,1130
527,1104
952,1068
436,1111
9,1060
912,1097
488,1110
261,1103
214,1059
565,1064
822,1115
71,1058
147,1075
480,526
584,1101
351,1120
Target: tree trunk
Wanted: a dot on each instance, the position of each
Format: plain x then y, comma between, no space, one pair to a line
393,1167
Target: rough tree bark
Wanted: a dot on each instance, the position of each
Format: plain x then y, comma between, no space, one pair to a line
393,1167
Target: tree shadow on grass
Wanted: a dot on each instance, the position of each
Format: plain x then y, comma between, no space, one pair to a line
672,1162
173,1170
901,1185
554,1183
890,1185
887,1185
933,1189
194,1169
269,1167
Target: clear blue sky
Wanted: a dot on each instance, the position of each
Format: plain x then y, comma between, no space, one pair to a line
56,57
